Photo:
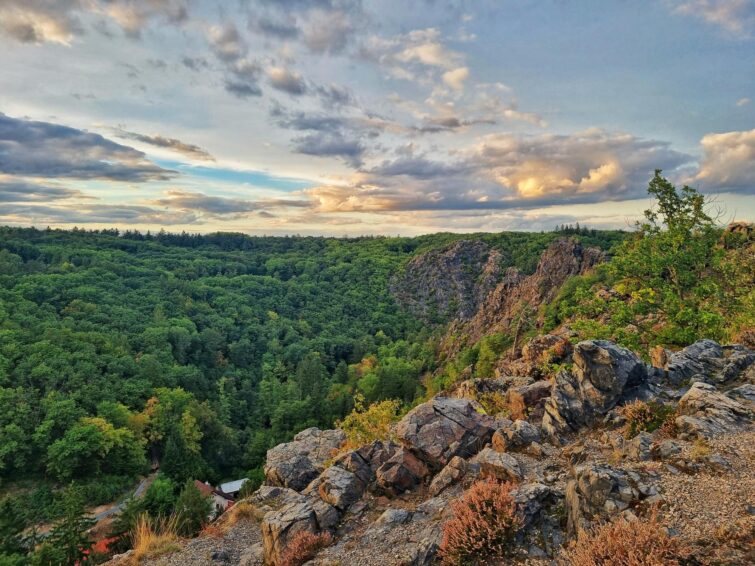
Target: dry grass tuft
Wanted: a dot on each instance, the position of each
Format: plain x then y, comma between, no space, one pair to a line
621,543
700,450
242,510
154,537
485,521
303,547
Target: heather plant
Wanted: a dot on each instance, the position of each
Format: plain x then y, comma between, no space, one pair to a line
644,416
485,521
303,546
623,543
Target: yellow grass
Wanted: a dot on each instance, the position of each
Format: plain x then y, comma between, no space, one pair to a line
154,537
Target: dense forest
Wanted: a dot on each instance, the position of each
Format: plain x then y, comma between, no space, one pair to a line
121,352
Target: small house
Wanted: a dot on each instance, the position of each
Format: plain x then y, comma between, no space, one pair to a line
231,489
221,503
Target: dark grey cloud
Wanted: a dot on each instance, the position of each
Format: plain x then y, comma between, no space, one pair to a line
280,27
242,72
18,190
195,63
94,214
334,96
331,144
226,207
187,149
42,149
514,172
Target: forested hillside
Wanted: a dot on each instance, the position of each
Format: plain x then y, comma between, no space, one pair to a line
198,352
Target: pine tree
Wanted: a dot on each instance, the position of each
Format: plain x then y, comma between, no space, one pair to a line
69,541
192,510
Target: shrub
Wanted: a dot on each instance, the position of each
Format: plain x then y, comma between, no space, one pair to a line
365,424
303,546
700,449
646,417
621,543
485,520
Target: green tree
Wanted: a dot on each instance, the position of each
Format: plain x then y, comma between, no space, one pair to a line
69,541
192,510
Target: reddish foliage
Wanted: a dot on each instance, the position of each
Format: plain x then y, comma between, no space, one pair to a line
303,546
484,522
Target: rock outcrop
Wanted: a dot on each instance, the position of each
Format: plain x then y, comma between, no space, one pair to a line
708,361
705,412
602,374
450,282
443,428
295,464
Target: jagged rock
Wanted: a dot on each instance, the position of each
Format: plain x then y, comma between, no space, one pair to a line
443,428
474,388
451,474
279,527
450,281
704,412
394,517
295,464
365,461
744,392
546,348
339,487
639,447
596,492
499,310
531,498
402,472
530,395
498,464
602,373
517,436
268,498
708,361
327,516
667,450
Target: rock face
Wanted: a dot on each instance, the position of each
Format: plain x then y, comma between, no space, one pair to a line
516,436
365,461
450,282
597,492
602,373
706,360
443,428
515,292
498,465
295,464
279,527
402,472
340,488
448,476
704,412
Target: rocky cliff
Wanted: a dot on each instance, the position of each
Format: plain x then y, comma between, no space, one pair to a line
577,453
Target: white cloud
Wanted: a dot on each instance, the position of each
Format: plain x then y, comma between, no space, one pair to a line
743,102
735,16
455,78
728,161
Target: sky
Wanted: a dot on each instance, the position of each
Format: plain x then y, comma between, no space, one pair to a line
352,117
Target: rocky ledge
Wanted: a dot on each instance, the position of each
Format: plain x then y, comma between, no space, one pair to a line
574,459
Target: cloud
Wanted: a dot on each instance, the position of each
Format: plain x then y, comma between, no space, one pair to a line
728,161
19,190
60,21
218,207
331,144
455,78
505,171
42,149
111,214
743,102
242,72
195,63
287,81
328,31
187,149
415,56
734,16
